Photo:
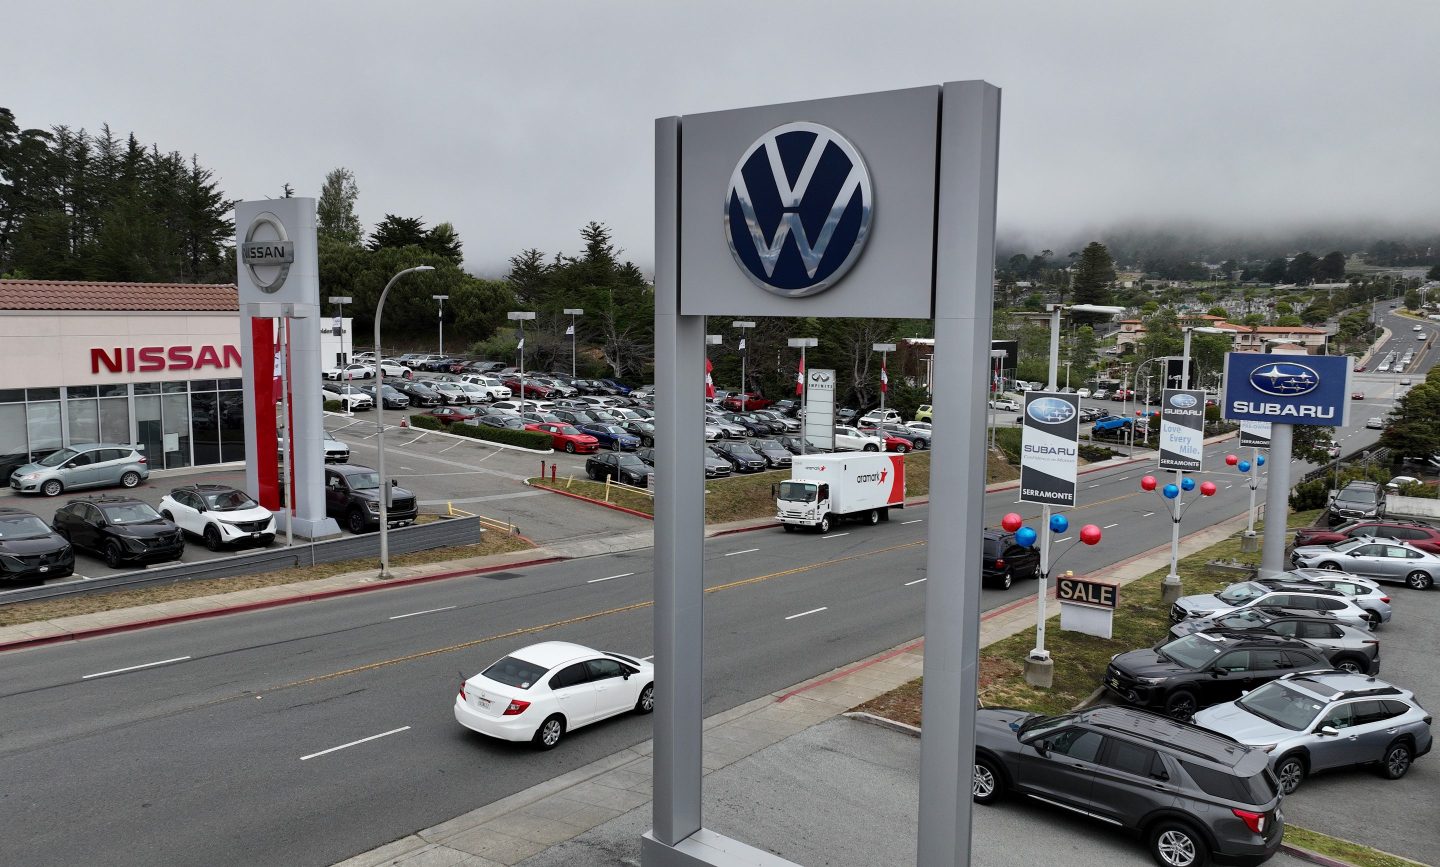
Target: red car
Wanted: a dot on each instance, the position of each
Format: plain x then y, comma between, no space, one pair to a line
1422,536
752,401
532,388
1359,368
567,437
452,414
892,443
1357,395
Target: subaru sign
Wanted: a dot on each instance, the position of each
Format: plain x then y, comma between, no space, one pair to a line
1048,448
1289,389
1182,430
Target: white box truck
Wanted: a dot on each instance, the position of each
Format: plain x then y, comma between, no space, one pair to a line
826,489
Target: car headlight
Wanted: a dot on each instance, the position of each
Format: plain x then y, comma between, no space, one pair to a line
372,505
11,562
1149,681
29,477
132,543
1199,613
1269,748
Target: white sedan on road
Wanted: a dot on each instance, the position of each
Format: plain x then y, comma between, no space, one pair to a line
540,692
219,514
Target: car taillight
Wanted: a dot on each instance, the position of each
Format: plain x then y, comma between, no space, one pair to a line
515,706
999,563
143,460
1254,821
1385,599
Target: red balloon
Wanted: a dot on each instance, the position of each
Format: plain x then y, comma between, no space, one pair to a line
1090,534
1148,483
1011,522
1232,460
1207,489
1138,412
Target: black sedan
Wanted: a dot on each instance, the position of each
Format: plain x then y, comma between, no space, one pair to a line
30,549
742,458
421,395
120,529
619,466
776,455
394,398
753,426
509,422
797,446
642,429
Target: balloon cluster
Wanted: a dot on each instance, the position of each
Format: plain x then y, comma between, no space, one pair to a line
1244,466
1171,491
1026,536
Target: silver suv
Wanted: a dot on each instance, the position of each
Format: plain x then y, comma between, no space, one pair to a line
1318,720
90,465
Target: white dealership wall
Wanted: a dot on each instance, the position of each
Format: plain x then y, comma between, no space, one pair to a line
53,348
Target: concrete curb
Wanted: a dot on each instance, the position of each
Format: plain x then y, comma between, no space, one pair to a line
592,500
1312,857
883,722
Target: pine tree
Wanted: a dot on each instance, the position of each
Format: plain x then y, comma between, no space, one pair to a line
396,232
1094,276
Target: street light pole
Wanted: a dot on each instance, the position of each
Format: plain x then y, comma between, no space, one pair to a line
803,343
884,349
744,356
572,312
442,299
384,493
346,346
521,316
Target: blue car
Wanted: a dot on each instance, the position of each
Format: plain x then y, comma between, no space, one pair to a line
618,385
612,436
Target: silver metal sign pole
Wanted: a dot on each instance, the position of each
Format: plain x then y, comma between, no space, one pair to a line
965,257
289,452
1277,501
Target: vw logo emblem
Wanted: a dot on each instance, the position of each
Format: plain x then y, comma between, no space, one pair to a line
1050,410
267,252
798,209
1182,401
1284,379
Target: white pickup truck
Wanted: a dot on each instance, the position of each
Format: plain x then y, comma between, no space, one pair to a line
826,489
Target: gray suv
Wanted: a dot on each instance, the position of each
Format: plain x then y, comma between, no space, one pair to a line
1320,720
1191,794
1357,500
90,465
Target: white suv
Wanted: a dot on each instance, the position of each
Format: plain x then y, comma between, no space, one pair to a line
493,387
851,439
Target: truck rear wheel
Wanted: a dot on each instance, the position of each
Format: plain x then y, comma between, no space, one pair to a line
873,517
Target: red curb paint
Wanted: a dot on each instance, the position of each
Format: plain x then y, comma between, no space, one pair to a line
602,503
268,603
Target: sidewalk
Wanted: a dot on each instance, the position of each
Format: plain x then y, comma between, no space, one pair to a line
526,824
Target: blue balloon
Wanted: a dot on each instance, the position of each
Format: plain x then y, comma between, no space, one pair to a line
1025,537
1244,466
1170,492
1187,483
1259,460
1059,523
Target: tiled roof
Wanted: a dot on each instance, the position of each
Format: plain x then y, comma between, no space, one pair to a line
75,295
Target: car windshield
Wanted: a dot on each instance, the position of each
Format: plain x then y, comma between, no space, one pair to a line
22,527
1353,496
130,513
800,492
743,452
55,459
1346,544
613,430
630,462
1041,725
1283,706
514,672
1193,651
1245,619
363,481
229,501
1237,594
567,430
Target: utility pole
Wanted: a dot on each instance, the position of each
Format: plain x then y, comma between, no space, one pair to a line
572,312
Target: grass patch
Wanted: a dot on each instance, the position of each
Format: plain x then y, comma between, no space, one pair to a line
29,612
1344,850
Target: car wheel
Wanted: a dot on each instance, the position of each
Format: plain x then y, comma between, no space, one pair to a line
900,450
113,555
871,447
1006,580
1290,771
646,702
1397,760
1330,565
922,444
591,473
130,479
986,785
212,537
789,528
548,736
1174,844
648,442
1418,580
355,520
52,488
570,448
873,517
1374,618
1351,664
825,524
1181,704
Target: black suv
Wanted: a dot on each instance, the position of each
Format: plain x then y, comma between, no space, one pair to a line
621,466
1005,559
30,549
352,496
1206,668
1189,793
120,529
1357,500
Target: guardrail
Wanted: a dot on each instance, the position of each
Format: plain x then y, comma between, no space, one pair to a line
487,522
403,540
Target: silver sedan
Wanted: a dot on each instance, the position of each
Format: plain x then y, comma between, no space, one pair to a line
1380,559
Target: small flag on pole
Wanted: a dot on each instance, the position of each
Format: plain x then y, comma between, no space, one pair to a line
884,378
521,344
800,378
709,383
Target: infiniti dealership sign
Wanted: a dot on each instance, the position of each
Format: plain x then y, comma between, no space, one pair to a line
1306,389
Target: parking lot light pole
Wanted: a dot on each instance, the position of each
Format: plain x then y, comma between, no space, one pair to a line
884,349
384,493
572,312
521,316
997,357
744,355
442,299
346,346
803,343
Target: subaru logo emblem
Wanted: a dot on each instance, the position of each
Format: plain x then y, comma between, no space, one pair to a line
1182,401
1050,410
798,209
1284,379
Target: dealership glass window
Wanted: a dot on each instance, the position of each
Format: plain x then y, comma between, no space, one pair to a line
84,420
177,430
42,394
179,387
232,426
12,395
202,385
42,422
114,419
150,430
115,390
76,391
205,415
231,384
147,388
14,442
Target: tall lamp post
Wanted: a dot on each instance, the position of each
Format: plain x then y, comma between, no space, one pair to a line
347,347
743,326
803,343
884,349
997,357
1039,667
572,312
384,497
521,316
442,299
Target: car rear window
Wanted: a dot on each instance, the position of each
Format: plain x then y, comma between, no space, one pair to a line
1255,791
514,672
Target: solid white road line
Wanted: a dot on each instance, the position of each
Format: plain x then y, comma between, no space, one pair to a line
916,581
1061,539
1108,526
1096,485
835,535
136,667
746,551
1122,478
610,578
916,521
427,611
1147,514
811,611
355,743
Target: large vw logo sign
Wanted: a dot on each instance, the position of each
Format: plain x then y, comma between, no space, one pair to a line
1182,401
1284,379
1050,410
798,209
267,252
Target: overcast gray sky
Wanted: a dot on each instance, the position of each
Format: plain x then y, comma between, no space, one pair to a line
521,121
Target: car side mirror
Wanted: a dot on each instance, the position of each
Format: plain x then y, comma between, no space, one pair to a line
394,483
1218,672
199,508
1329,731
1162,776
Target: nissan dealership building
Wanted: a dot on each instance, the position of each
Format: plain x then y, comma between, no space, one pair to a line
154,364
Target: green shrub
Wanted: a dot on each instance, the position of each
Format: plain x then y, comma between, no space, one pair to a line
427,422
1007,440
525,439
1096,453
334,406
1420,489
1313,494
